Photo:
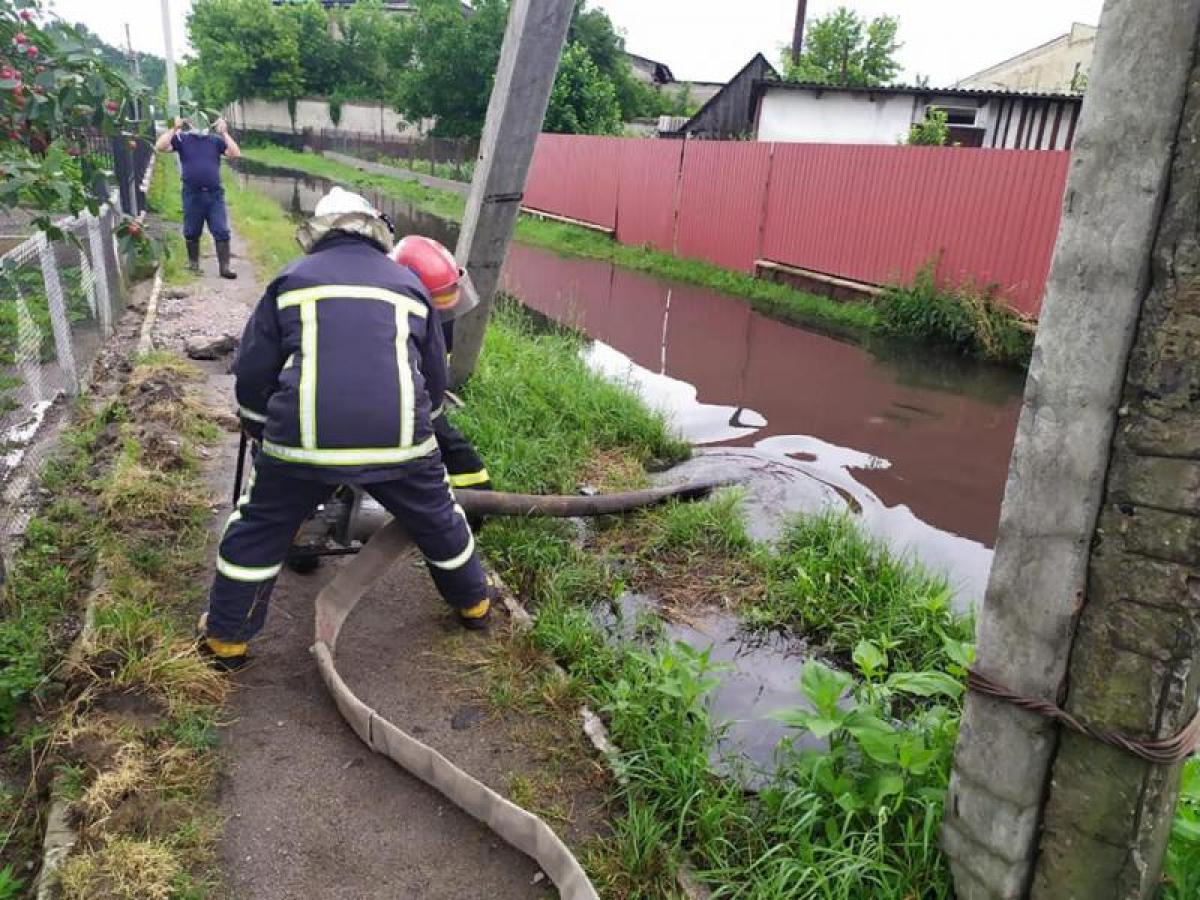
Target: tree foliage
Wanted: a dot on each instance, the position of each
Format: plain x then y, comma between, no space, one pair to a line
54,93
843,48
244,48
453,64
437,63
584,100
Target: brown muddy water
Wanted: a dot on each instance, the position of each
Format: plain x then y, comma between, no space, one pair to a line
914,441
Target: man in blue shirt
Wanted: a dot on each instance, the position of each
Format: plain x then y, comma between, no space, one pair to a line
203,197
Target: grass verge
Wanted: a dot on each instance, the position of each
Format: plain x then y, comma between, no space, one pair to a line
965,320
270,234
126,721
858,820
165,199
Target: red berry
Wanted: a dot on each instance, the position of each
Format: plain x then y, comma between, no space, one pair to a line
26,15
112,106
31,51
72,151
14,135
19,37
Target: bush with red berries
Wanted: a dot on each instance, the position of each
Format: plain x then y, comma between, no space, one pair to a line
54,93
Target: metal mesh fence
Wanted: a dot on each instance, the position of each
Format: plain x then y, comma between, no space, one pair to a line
59,301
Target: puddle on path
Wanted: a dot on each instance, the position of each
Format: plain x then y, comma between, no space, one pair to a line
760,675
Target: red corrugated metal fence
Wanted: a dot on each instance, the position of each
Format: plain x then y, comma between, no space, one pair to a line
648,182
868,213
575,177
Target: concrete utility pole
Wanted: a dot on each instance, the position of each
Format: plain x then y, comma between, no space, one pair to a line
533,43
172,83
1094,598
798,34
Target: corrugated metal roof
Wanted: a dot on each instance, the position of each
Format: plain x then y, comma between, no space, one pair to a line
771,84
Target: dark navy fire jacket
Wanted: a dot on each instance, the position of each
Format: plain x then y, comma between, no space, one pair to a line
343,365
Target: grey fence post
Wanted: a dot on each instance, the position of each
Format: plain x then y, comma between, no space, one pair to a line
100,275
59,323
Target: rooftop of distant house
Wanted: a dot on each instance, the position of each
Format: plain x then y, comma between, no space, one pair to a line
922,90
397,6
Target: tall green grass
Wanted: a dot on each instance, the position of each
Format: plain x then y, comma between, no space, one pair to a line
813,832
966,319
269,233
538,415
165,199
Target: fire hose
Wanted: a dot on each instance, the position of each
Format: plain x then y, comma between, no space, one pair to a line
519,827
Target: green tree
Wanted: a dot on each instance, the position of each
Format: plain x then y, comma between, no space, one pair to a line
54,90
374,44
933,132
244,48
584,100
452,64
845,49
594,30
320,54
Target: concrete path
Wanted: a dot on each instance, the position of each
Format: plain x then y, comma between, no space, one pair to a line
312,813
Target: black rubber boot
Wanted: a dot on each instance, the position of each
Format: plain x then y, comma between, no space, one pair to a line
193,252
223,260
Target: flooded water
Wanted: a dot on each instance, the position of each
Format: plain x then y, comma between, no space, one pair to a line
915,442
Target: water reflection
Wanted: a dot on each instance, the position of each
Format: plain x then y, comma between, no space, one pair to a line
920,442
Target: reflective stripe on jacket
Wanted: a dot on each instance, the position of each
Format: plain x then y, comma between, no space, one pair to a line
344,358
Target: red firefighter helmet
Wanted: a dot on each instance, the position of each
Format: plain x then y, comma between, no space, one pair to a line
434,265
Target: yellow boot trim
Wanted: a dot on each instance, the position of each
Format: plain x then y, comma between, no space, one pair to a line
478,611
225,649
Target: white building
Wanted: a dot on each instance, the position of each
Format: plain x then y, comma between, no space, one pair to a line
824,114
1058,65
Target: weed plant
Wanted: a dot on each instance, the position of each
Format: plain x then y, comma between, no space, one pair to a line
1182,872
968,319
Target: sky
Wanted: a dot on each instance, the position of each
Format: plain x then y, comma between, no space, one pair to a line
709,40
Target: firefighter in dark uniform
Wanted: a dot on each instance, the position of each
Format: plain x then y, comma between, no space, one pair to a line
341,375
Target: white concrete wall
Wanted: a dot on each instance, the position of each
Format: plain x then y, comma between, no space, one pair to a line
805,117
359,117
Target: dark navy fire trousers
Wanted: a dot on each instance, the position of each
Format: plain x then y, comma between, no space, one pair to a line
274,505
